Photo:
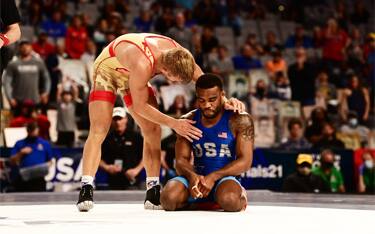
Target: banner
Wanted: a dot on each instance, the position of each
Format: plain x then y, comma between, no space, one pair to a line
270,167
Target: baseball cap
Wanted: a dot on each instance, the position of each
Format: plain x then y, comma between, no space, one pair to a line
304,158
119,112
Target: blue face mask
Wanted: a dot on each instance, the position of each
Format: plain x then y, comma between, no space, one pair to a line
353,122
369,164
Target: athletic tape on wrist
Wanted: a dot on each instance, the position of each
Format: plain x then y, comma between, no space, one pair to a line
4,38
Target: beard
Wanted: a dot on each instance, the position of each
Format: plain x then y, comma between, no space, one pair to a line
211,113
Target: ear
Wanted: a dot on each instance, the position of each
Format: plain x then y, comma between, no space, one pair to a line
223,93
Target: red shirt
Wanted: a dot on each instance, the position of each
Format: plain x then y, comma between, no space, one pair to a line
333,45
42,121
43,49
75,41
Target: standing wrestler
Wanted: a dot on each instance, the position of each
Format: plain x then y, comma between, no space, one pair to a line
126,65
223,152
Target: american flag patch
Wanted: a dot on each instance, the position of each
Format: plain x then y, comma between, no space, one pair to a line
223,135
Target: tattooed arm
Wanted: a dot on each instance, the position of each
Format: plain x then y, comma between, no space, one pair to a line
242,127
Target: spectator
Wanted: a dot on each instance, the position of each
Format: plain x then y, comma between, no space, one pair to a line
366,182
66,120
28,115
180,32
355,55
277,64
353,127
271,45
122,153
252,41
76,38
241,90
121,6
100,33
55,27
296,140
329,139
313,131
165,22
24,76
302,81
317,37
208,40
178,108
357,99
260,103
43,47
246,61
143,23
299,39
222,64
330,174
282,87
33,156
303,181
335,42
89,56
324,89
35,13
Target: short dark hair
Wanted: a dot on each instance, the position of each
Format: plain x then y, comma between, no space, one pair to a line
293,122
240,81
209,80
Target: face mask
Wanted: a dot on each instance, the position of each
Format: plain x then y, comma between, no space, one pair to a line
353,122
260,92
369,164
32,138
327,165
304,171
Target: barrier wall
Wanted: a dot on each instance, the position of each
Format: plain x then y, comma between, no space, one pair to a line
270,167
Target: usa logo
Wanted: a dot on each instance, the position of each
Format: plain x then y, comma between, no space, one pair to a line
223,135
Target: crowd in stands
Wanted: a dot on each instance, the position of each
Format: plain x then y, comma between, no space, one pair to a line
306,71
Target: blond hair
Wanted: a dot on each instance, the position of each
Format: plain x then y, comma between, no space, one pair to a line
179,62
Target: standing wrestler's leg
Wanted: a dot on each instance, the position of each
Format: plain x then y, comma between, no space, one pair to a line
231,196
100,113
151,133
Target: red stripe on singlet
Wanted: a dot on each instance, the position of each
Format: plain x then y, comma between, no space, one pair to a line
111,49
137,47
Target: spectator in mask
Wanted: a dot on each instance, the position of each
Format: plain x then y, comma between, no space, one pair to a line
303,181
354,127
366,182
329,173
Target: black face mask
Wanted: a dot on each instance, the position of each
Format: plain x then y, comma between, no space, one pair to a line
32,138
327,165
260,92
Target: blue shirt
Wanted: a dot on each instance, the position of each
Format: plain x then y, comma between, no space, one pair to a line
243,63
41,153
306,43
54,29
216,148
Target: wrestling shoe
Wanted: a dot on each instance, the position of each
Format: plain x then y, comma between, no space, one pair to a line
85,199
152,201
